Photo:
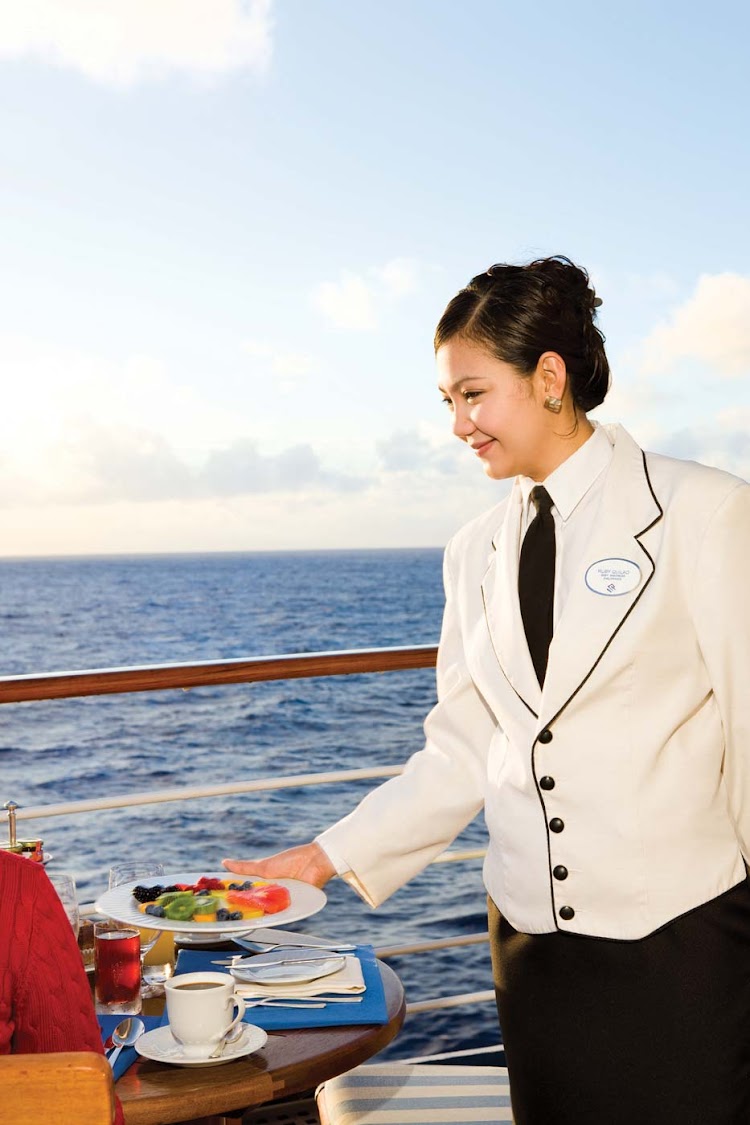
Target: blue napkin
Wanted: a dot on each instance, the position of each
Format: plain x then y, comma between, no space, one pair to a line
371,1008
127,1055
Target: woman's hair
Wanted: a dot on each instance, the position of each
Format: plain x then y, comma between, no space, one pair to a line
519,312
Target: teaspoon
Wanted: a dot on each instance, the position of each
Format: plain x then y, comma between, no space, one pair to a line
125,1035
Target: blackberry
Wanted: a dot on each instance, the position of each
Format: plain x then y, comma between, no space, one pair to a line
146,894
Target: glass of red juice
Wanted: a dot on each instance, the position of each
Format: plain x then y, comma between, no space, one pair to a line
117,960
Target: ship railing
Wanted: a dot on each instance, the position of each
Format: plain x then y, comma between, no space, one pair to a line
160,677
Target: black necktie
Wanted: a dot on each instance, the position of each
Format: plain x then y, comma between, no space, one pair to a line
536,580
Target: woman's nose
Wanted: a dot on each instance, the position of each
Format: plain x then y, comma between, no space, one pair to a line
462,423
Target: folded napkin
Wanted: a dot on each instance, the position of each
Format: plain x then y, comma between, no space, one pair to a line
363,980
346,981
127,1055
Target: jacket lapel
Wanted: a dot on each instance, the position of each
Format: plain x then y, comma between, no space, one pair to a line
502,610
590,620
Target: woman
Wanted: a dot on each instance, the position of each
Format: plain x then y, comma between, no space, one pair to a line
592,697
45,999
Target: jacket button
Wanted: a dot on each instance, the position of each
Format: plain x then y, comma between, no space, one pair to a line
556,825
547,782
560,872
545,736
566,913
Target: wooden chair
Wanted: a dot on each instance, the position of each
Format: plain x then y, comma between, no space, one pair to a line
62,1087
417,1094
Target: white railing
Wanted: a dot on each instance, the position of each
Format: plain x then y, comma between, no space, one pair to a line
59,685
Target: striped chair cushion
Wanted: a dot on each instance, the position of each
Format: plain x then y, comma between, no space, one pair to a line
425,1094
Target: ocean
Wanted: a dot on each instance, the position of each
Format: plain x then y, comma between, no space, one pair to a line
84,613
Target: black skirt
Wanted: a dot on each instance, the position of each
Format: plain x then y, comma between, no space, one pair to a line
647,1032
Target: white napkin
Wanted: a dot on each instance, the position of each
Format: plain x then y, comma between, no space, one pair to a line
347,981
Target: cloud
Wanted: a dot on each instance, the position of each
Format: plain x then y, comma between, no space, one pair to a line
98,463
724,443
348,303
289,366
399,276
354,301
241,469
422,450
121,42
59,390
713,326
86,428
402,451
114,464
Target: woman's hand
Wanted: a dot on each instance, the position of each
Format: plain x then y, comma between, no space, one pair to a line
308,862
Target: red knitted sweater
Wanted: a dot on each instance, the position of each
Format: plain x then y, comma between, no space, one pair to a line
45,999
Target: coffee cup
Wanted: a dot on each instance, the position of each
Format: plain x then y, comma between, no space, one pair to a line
200,1007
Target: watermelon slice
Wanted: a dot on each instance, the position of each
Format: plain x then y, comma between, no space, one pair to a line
270,898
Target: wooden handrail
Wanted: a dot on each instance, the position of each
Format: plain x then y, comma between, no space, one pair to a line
160,677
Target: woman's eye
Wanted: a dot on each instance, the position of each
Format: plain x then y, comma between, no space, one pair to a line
447,402
470,396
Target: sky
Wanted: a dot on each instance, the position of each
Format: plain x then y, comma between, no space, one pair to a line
229,229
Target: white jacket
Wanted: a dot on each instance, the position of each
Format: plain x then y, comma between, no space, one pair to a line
640,737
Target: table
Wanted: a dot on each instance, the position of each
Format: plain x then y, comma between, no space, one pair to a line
292,1062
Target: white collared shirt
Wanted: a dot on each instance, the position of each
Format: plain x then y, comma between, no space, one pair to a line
576,488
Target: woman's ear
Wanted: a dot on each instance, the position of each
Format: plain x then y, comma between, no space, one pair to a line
554,374
551,379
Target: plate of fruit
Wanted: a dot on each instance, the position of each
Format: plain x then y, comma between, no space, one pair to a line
196,903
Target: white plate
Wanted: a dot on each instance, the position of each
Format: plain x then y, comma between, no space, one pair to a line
303,966
120,905
160,1045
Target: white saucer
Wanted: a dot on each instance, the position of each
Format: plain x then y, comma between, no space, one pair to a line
161,1046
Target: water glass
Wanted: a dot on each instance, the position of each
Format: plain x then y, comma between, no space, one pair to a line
117,961
146,872
65,885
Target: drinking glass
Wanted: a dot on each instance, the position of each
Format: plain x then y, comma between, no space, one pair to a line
65,885
145,872
117,973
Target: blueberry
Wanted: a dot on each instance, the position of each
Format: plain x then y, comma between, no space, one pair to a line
157,911
222,914
235,886
235,917
247,885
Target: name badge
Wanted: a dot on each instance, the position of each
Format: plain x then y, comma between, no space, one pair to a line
613,577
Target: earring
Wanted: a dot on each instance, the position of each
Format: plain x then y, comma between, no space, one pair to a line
554,405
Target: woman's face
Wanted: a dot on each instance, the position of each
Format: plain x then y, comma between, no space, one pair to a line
496,411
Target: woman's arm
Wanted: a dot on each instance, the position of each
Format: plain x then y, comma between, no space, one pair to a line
402,825
53,1008
722,619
